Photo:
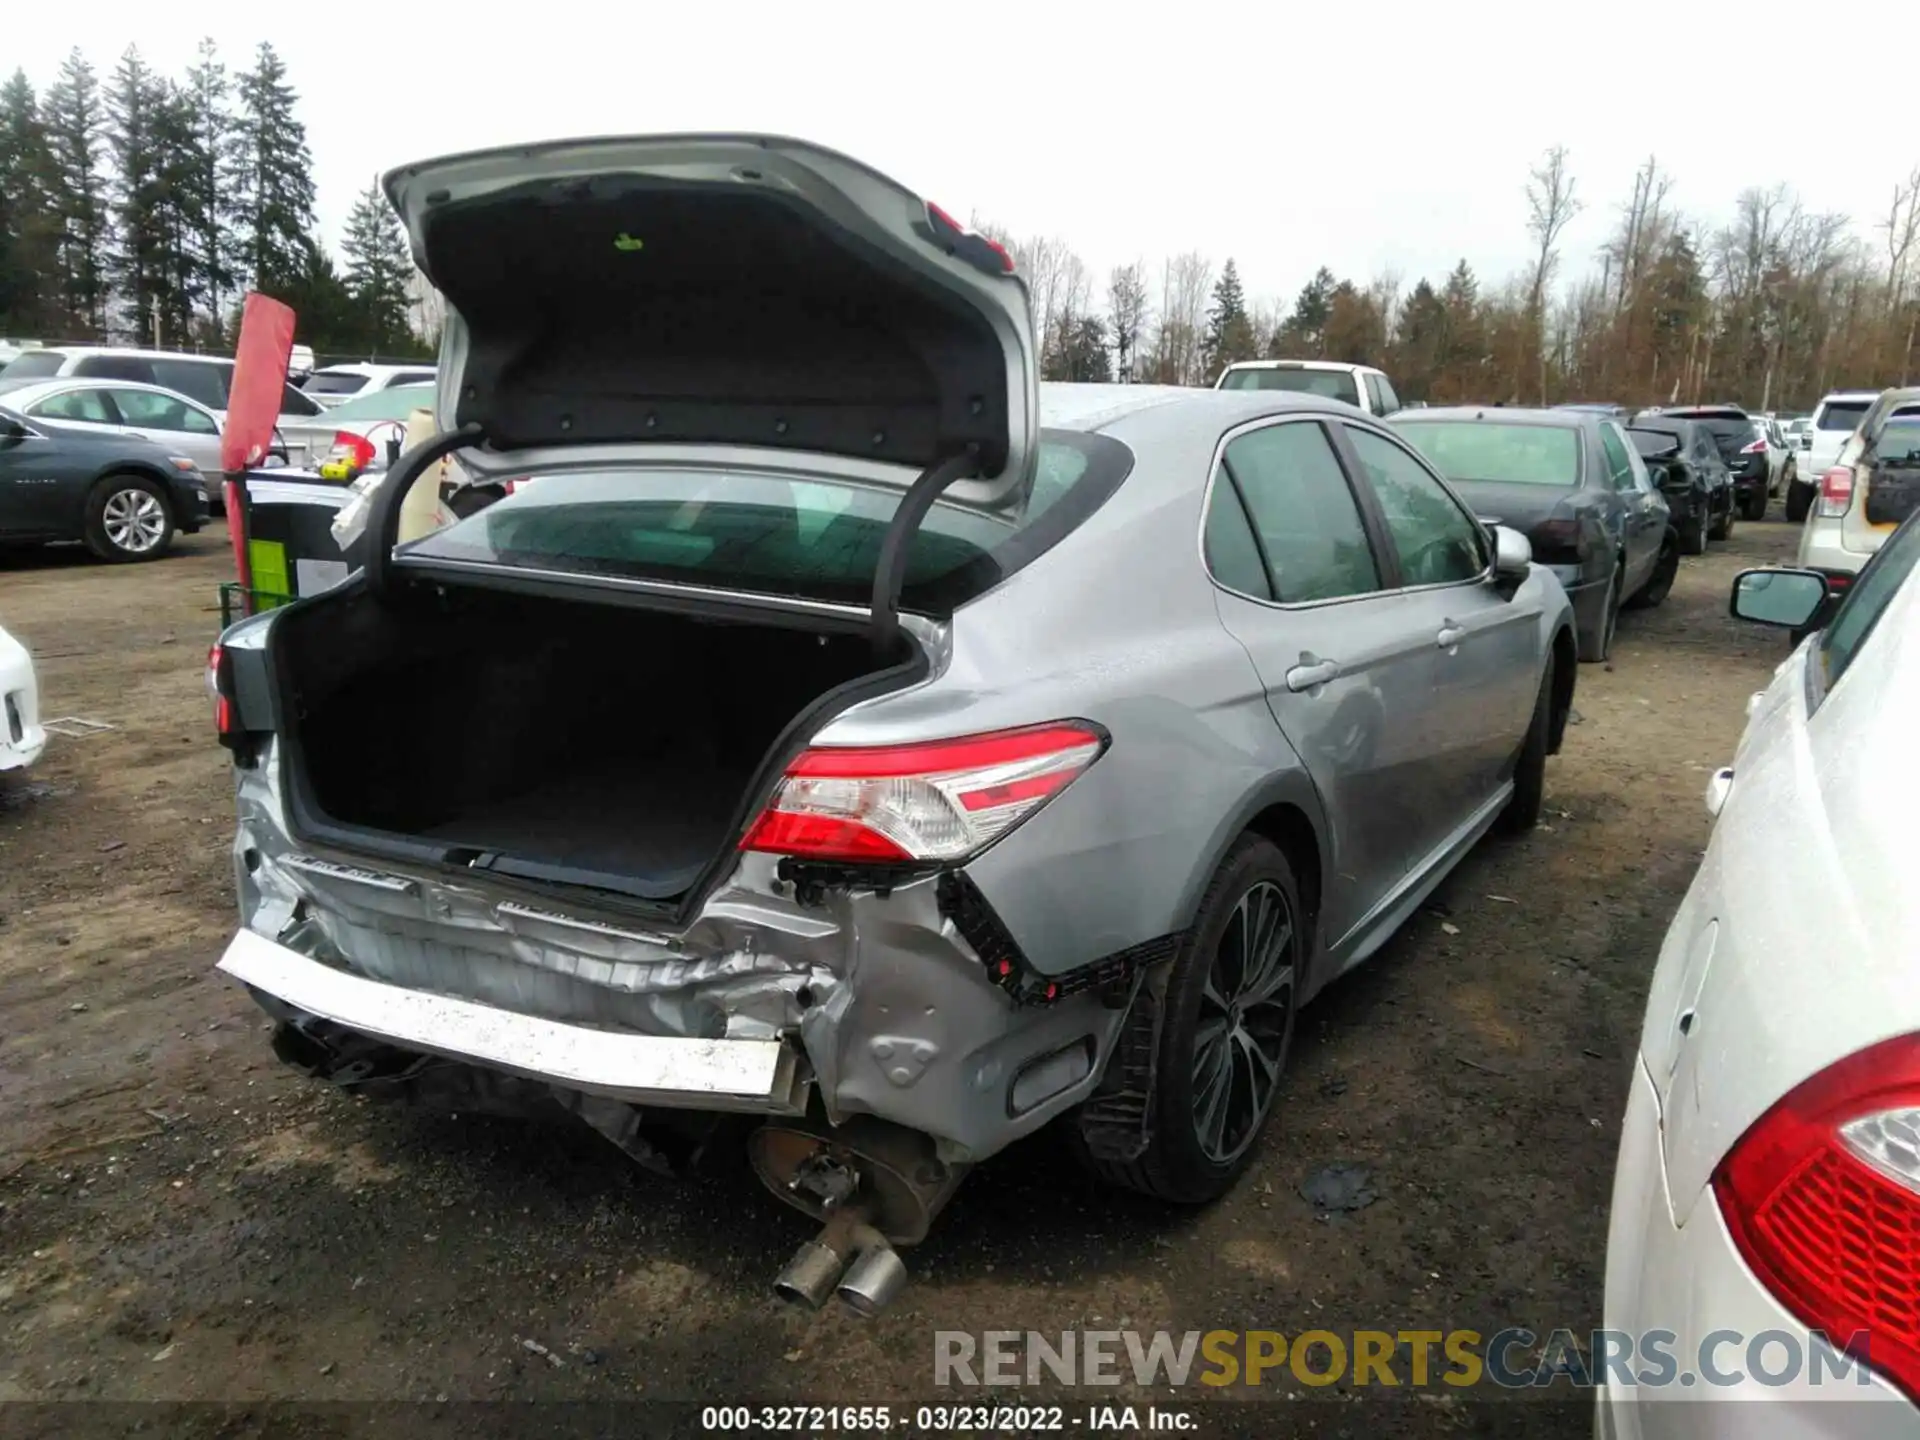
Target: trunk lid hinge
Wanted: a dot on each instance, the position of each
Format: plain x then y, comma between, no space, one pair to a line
890,574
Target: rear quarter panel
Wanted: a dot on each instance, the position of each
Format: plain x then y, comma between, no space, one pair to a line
1116,625
1815,952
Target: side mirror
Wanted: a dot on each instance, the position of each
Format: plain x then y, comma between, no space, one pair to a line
1788,599
1806,440
1512,555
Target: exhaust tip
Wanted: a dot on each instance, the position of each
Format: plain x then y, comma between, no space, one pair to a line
809,1276
872,1281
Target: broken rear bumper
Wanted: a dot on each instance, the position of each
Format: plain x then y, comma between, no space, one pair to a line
678,1071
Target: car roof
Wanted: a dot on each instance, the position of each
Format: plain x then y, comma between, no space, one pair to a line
1507,414
137,350
373,369
1851,395
1091,409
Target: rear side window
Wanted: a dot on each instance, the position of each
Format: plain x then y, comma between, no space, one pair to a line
323,383
292,402
115,367
809,539
202,380
1389,401
33,365
411,377
1307,533
88,405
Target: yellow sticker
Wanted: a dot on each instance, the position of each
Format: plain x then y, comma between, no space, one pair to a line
629,243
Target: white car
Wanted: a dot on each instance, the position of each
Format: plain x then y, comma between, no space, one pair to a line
331,384
205,378
1768,1188
21,738
1872,485
1358,385
1834,419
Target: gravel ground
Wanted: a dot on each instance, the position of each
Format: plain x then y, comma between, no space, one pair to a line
182,1219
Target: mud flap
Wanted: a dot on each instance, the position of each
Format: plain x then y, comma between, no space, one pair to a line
1116,1122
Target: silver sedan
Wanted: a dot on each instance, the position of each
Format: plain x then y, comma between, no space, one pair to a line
171,420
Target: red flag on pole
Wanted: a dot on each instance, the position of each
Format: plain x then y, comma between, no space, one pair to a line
259,380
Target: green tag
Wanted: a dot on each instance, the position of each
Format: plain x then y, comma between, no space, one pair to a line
629,243
267,559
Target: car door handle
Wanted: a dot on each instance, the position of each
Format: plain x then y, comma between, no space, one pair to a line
1309,677
1450,636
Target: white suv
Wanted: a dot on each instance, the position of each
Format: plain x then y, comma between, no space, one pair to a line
1872,484
332,384
1834,419
199,377
1359,385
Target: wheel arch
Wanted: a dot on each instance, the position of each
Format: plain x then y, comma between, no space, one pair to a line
1566,665
1285,809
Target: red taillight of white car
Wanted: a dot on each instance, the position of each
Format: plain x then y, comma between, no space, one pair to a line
1836,492
942,800
1822,1197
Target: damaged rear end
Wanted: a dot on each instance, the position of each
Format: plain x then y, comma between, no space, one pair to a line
646,794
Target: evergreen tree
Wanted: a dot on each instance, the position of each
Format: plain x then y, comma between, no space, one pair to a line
1302,335
185,280
29,223
273,173
1229,332
1463,350
74,123
210,180
136,256
379,267
1423,330
328,318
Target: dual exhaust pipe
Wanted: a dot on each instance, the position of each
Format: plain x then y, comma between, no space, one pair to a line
848,1258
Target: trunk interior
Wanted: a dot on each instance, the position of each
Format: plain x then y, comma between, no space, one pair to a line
559,740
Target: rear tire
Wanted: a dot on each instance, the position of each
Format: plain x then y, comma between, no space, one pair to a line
129,518
1754,507
1661,580
1799,500
1693,540
1227,1032
1723,527
1522,810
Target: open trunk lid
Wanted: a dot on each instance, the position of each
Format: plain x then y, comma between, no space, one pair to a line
724,290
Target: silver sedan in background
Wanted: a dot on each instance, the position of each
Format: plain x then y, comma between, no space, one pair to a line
180,425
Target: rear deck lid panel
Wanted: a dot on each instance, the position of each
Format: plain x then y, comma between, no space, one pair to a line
726,290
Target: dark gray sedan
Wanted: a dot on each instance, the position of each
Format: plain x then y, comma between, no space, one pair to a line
125,496
1570,481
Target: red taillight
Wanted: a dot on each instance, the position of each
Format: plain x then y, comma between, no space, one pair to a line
1758,447
938,801
1822,1198
220,686
1836,492
942,220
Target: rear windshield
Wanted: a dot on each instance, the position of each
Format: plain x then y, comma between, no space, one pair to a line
324,384
1470,450
33,365
1333,384
396,403
1833,415
812,539
1653,442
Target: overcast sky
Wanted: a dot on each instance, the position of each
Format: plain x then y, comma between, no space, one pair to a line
1363,136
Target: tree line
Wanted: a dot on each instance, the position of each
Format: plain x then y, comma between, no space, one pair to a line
141,209
1772,308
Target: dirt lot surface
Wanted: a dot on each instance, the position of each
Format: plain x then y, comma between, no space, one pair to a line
180,1218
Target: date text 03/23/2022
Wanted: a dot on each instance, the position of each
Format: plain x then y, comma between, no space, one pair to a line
941,1419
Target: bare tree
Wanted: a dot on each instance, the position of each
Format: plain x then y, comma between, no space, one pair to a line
1178,344
1127,312
1551,203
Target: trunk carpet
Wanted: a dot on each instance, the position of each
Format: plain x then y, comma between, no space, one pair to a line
611,819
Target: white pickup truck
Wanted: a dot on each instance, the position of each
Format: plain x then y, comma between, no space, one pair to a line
1360,385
